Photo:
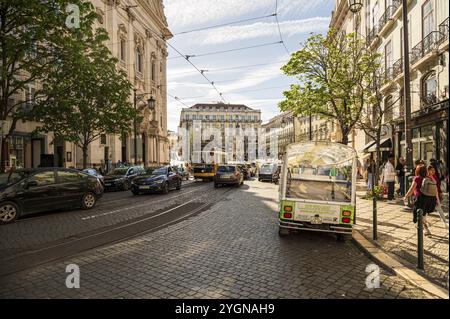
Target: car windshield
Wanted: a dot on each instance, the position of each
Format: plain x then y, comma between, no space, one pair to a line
10,178
119,171
320,172
160,171
266,169
226,169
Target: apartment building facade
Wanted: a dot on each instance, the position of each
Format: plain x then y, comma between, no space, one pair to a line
380,23
218,116
290,128
135,29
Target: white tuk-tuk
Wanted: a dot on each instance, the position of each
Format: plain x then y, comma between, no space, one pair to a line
318,188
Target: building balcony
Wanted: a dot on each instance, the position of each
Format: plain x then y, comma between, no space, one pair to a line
388,16
372,35
443,30
397,68
430,104
428,44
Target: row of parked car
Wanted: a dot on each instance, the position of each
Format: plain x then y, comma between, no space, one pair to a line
31,191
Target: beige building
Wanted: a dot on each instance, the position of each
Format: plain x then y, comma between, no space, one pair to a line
289,128
134,28
219,116
380,23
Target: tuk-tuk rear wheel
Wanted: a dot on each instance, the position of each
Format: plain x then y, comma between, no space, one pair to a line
283,232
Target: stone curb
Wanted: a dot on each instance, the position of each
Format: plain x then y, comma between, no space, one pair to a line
397,267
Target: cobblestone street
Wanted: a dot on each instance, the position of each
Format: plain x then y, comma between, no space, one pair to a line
231,250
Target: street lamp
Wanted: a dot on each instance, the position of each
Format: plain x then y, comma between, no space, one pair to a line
355,5
151,104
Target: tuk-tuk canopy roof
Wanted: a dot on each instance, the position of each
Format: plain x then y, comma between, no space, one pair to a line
319,154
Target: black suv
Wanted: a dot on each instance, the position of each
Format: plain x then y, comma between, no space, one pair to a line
36,190
120,178
160,179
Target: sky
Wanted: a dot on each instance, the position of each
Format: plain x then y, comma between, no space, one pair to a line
251,76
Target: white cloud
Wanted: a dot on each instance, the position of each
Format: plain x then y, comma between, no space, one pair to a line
187,14
262,29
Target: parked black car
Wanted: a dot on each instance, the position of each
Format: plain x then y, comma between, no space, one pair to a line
160,179
30,191
120,178
94,172
228,174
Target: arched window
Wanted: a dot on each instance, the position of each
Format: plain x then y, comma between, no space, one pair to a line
429,89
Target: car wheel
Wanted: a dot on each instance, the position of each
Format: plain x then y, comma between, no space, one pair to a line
88,201
165,189
135,193
259,179
216,185
9,212
126,186
179,185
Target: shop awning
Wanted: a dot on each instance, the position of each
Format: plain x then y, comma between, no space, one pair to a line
366,147
385,145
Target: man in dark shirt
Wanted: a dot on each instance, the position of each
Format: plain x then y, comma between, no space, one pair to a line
400,169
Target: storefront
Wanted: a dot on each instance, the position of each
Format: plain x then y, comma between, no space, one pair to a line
429,134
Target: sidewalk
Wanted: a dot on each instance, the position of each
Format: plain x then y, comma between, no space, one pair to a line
397,236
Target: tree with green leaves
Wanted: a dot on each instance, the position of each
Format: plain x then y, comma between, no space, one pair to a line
377,116
334,71
29,33
85,95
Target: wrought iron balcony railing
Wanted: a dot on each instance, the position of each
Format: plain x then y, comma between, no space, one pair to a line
428,108
429,43
372,34
397,67
388,14
443,30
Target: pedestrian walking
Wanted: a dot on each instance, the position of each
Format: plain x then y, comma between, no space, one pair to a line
424,189
400,170
369,176
388,177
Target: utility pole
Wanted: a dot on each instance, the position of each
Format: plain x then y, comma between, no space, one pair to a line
310,126
407,96
135,128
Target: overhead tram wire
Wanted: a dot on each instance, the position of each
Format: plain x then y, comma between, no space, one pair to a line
279,29
176,98
186,58
232,68
226,51
234,92
225,24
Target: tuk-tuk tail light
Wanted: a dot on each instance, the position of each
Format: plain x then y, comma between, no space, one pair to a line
288,208
346,213
346,220
287,215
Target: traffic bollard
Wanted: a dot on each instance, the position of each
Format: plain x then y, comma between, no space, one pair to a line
419,239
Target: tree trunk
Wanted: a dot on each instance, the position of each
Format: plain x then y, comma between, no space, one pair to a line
3,156
85,156
344,139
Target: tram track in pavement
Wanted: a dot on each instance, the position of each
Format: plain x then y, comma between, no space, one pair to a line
109,235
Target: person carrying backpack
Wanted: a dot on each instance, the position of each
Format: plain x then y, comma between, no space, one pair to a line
425,192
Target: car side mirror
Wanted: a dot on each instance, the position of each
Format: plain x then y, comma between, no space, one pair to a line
32,184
